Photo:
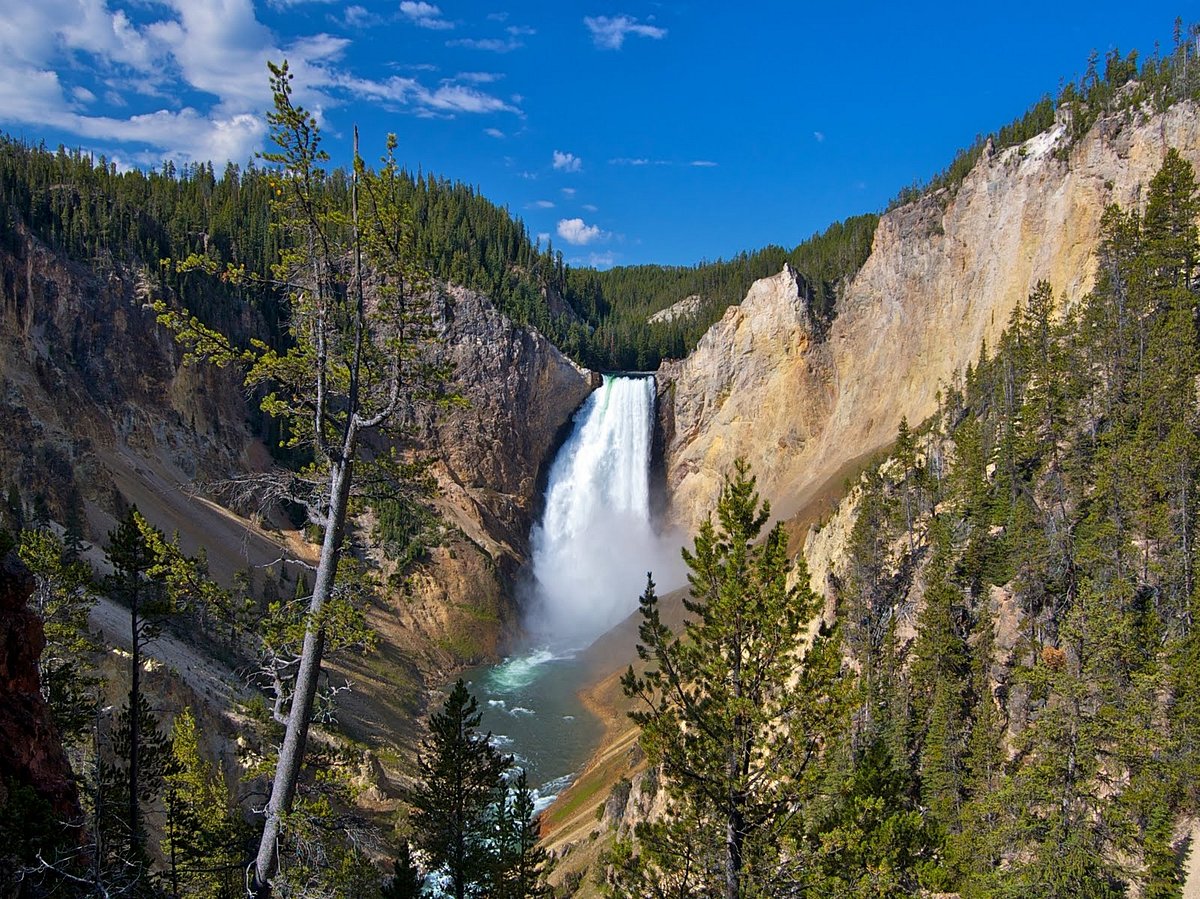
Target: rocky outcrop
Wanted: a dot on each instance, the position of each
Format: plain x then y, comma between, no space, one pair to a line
519,394
758,385
88,374
99,411
31,752
685,308
943,276
519,391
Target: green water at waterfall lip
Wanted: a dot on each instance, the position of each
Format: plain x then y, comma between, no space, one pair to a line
530,704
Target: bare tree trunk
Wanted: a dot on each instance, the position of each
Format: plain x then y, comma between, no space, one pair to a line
135,671
291,754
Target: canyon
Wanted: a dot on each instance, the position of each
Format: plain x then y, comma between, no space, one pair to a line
99,412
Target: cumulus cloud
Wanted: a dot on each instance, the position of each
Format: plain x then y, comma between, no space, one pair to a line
577,233
609,32
566,162
424,15
191,73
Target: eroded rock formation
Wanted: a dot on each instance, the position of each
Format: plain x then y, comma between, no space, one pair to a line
31,752
943,276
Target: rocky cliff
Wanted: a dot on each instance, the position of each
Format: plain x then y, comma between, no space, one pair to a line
943,276
31,753
520,393
98,411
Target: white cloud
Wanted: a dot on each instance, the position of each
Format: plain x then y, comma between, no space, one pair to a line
478,77
626,160
703,163
609,33
193,75
577,233
819,136
542,204
424,15
568,192
359,17
491,44
602,260
448,98
494,132
567,162
520,30
588,207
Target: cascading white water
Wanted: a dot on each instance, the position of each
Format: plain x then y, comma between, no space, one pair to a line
596,541
591,552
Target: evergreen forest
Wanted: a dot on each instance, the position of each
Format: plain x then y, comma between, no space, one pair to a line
1001,701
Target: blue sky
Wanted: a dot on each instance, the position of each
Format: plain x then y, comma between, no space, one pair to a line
632,132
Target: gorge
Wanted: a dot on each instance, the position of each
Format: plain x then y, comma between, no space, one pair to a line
945,428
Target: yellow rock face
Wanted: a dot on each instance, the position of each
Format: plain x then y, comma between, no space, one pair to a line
943,275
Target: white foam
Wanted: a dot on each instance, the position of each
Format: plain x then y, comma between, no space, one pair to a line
595,542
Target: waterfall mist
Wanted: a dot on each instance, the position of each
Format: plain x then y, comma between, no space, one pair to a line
596,540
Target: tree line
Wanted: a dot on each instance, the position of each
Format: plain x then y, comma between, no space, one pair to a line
1005,702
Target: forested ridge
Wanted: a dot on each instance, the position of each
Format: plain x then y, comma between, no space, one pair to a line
1017,712
1044,717
104,217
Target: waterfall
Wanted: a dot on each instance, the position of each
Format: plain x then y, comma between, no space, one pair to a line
595,542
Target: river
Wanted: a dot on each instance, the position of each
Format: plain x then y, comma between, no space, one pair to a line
590,553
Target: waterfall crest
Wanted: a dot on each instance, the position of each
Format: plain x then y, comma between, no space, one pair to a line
595,542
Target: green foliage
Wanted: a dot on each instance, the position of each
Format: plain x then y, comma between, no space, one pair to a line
874,840
406,881
736,710
616,304
460,782
205,841
29,829
62,599
1050,766
521,864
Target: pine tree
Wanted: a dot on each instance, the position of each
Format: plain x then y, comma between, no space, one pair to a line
133,561
460,781
205,838
406,881
521,865
355,360
737,709
940,680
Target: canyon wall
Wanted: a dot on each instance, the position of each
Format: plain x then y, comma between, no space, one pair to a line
98,411
943,276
